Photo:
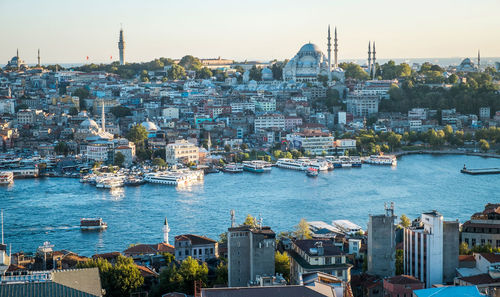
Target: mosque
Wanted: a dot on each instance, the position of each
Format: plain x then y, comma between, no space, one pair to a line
16,62
310,62
89,130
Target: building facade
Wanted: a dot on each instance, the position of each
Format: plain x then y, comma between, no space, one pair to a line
269,121
314,141
382,244
250,254
181,151
194,246
483,228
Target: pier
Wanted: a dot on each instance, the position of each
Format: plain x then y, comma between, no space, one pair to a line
479,171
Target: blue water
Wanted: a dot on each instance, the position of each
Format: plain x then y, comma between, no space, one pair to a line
37,210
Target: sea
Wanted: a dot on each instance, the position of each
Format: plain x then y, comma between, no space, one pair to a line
49,209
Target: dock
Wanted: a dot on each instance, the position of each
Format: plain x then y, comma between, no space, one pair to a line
479,171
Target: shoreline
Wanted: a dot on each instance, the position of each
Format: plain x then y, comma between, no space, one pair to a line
446,152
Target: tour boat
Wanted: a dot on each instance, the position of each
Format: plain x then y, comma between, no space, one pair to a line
292,164
134,181
312,172
175,178
257,166
6,177
92,224
109,182
346,162
320,165
382,160
233,168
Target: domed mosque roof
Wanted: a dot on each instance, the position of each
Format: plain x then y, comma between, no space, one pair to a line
150,126
89,123
309,47
266,70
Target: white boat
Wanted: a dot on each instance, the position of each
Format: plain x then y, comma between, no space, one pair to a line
292,164
6,177
319,165
109,182
382,160
312,172
175,178
257,166
92,224
233,168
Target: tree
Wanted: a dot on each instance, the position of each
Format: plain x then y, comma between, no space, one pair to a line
221,274
192,271
176,72
463,249
244,146
227,148
302,230
250,221
137,134
159,162
61,148
485,146
204,73
190,63
73,111
354,71
118,280
399,262
120,111
255,74
282,264
404,221
119,159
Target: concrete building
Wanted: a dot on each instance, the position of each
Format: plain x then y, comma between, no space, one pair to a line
250,254
194,246
382,243
362,105
483,227
98,151
311,140
310,255
181,151
269,121
170,113
484,113
431,249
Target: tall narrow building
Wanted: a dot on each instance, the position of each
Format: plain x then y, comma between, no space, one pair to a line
374,61
382,243
38,65
121,48
369,58
478,60
335,50
166,230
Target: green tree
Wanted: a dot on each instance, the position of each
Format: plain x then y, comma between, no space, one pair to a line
189,62
302,230
73,111
120,111
227,148
485,146
453,79
463,249
255,74
221,274
399,262
137,135
244,146
282,264
354,71
176,72
192,271
404,221
204,73
119,159
250,221
159,162
61,148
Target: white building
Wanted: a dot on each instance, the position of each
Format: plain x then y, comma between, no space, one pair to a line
264,104
7,106
237,107
170,113
181,150
361,105
269,121
415,125
343,145
27,116
97,151
314,141
417,114
342,116
484,113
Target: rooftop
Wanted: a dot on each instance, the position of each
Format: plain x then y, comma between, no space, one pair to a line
467,291
195,239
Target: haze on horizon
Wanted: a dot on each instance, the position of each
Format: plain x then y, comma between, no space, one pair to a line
68,31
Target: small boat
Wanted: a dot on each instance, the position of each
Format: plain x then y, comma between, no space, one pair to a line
257,166
109,183
6,177
312,172
382,160
134,181
233,168
92,224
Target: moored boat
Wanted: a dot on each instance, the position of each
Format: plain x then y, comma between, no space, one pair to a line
382,160
312,172
6,177
292,164
233,168
92,224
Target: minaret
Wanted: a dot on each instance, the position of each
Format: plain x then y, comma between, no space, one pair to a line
369,58
121,48
38,65
166,229
373,61
233,219
329,44
209,142
335,49
2,224
103,118
17,54
478,60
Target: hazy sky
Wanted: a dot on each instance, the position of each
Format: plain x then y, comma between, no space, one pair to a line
66,31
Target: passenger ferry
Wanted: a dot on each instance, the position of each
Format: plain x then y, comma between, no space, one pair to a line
233,168
345,162
319,165
257,166
292,164
175,178
6,177
312,172
92,224
382,160
109,182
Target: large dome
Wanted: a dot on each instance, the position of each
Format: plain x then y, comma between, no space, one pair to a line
150,126
89,124
309,48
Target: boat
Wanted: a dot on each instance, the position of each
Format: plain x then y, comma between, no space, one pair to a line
345,162
134,181
382,160
92,224
312,172
233,168
109,182
320,165
6,177
257,166
175,178
292,164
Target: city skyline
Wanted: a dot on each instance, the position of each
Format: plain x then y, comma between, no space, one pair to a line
261,31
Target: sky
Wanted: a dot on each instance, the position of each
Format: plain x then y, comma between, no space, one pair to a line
67,31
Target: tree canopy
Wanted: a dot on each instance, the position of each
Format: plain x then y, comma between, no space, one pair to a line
302,230
354,71
137,134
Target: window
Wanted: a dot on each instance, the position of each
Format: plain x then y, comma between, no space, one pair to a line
338,260
473,242
201,251
483,242
211,251
187,252
194,252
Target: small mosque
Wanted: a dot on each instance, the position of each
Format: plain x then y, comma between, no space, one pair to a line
89,130
150,127
16,63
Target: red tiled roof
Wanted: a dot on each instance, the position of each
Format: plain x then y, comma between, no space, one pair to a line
466,258
479,279
403,280
195,239
146,272
491,257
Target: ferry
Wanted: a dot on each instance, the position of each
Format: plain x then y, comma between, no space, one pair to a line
345,162
292,164
312,172
319,165
92,224
134,181
257,166
382,160
109,182
6,177
175,178
233,168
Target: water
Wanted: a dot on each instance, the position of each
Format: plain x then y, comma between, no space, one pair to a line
37,210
